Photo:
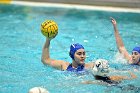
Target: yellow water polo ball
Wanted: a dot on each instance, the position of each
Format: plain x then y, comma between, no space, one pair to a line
49,28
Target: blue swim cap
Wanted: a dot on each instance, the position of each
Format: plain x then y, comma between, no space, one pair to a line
74,48
137,49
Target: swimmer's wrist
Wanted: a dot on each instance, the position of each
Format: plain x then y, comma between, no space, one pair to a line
48,39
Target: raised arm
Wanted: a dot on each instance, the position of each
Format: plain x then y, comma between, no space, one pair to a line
119,41
51,62
45,53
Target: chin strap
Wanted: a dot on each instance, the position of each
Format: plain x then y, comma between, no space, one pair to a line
139,62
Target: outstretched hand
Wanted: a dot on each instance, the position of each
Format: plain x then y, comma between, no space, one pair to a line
113,21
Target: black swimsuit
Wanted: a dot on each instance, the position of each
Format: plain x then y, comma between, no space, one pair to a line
106,79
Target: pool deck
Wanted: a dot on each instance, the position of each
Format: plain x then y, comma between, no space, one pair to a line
77,6
114,3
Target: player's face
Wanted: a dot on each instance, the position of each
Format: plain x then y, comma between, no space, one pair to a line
135,57
80,56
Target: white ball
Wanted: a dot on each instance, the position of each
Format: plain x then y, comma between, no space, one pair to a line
38,90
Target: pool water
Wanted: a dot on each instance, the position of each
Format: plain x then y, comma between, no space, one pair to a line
21,47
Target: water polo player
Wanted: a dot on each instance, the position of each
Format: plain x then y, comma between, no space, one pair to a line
38,90
77,52
132,59
101,72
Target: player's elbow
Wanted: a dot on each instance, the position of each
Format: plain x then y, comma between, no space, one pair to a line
42,60
45,61
121,49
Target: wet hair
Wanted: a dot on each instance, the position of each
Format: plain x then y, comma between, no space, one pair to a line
107,80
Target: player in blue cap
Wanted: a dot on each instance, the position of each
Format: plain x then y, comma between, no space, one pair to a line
77,53
132,59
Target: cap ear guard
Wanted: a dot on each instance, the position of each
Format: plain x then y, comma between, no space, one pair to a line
101,67
97,65
70,54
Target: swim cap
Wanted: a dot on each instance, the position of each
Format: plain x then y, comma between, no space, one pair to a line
38,90
101,67
74,48
137,49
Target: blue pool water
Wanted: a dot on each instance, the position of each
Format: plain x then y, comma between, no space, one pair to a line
21,45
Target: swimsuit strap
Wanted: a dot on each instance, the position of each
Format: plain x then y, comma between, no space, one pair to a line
79,68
